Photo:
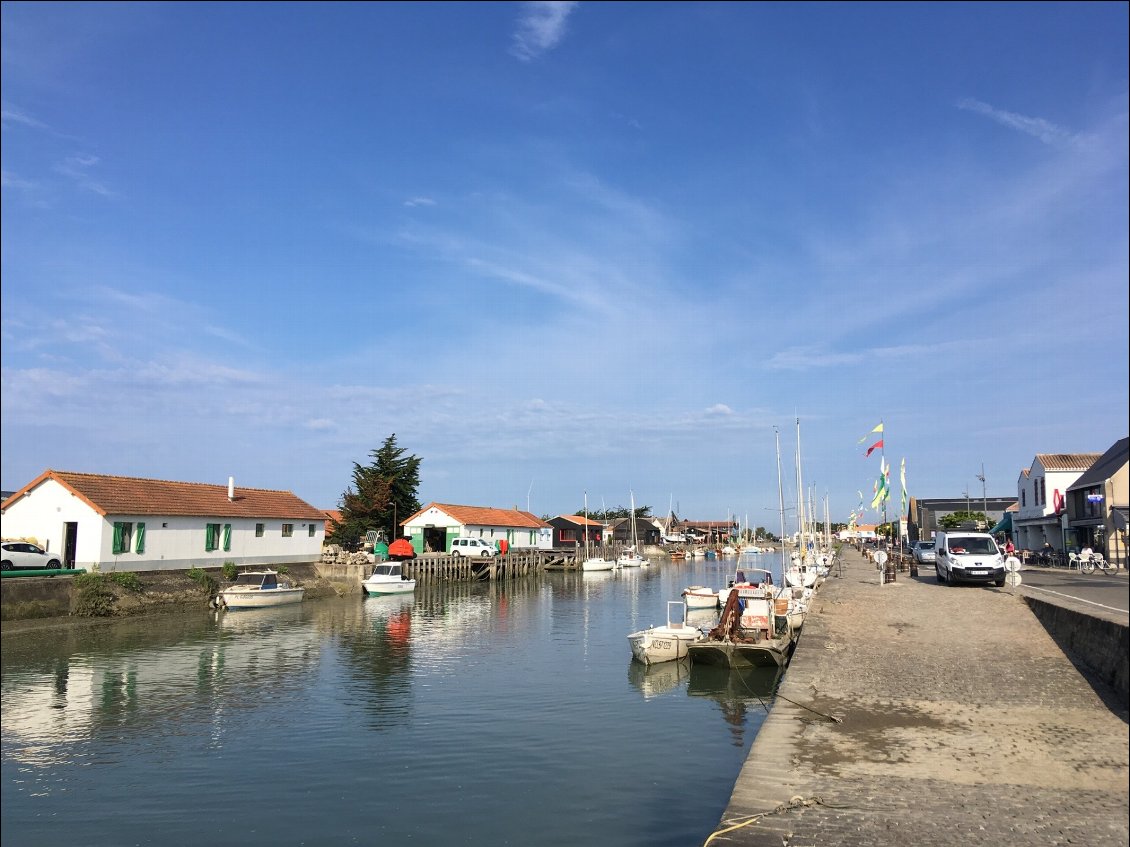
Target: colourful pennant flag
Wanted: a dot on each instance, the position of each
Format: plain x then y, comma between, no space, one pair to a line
873,448
902,479
878,428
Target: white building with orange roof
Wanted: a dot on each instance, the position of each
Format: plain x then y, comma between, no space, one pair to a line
116,523
434,527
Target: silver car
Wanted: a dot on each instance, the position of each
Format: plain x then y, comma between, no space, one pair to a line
22,554
924,552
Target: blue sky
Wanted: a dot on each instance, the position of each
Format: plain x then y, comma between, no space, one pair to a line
559,248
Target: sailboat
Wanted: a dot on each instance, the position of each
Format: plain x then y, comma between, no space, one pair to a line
590,562
668,536
631,557
800,572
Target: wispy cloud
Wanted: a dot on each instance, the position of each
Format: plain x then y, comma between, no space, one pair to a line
77,169
412,202
1044,130
11,115
540,28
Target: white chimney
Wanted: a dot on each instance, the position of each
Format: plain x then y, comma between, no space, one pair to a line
231,488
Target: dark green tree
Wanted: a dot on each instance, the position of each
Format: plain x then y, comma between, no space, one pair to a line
956,520
383,494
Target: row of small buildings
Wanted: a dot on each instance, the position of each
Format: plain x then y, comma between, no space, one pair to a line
1069,501
115,523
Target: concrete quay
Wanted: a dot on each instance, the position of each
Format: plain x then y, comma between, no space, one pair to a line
920,714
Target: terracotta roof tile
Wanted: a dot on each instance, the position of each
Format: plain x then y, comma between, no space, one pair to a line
485,516
1067,461
123,495
580,520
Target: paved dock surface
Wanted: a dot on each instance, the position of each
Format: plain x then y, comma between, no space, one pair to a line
920,714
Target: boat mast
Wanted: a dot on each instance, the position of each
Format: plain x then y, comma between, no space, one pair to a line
780,492
799,496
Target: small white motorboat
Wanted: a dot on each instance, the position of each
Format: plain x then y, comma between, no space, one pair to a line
388,578
260,590
665,643
700,597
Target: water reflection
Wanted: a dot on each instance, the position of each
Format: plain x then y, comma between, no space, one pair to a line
653,680
210,671
738,692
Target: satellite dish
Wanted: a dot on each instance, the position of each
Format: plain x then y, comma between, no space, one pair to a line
1013,579
1012,564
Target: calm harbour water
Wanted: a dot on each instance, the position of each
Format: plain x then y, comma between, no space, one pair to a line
476,714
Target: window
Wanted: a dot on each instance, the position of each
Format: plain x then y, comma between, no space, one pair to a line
568,535
288,530
123,536
259,530
1023,498
211,537
310,530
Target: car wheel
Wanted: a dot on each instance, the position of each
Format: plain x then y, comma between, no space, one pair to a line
456,553
938,574
5,565
999,583
54,564
487,554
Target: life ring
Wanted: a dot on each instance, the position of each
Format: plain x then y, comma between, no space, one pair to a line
1057,500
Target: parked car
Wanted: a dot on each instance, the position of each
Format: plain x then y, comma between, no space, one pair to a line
472,547
963,556
924,551
21,554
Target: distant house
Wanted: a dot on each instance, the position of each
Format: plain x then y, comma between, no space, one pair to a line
116,523
571,531
620,531
1040,495
1097,505
434,526
333,518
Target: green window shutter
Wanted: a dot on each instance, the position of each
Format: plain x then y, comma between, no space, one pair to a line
117,538
227,537
141,538
209,538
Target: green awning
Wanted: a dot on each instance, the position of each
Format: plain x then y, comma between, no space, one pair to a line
1004,526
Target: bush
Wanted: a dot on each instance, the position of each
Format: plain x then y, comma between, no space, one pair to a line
230,571
204,579
93,597
126,579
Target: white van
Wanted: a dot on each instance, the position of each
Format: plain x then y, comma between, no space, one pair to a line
471,547
963,556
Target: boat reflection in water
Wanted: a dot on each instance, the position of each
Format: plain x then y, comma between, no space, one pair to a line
743,694
653,680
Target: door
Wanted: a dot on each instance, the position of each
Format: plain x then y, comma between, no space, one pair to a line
70,543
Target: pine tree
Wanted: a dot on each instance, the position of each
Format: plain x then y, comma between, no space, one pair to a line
383,494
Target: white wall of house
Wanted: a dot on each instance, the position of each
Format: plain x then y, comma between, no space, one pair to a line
518,537
171,542
1035,520
1029,488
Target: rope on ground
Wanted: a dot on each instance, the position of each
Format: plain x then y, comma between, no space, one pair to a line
797,802
832,718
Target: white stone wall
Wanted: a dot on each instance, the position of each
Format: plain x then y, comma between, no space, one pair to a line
171,542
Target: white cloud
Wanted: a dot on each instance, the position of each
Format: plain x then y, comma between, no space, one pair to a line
412,202
719,409
1046,131
540,28
77,169
11,115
